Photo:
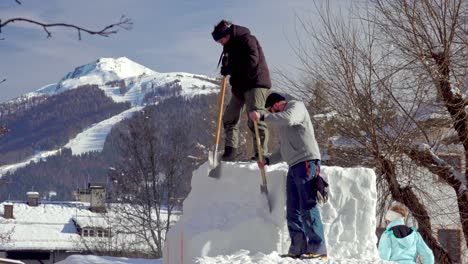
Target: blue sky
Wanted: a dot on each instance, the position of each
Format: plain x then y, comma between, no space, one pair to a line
167,35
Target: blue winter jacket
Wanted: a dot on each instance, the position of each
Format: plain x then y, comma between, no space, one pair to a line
402,247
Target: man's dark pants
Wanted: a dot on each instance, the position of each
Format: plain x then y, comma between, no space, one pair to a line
303,217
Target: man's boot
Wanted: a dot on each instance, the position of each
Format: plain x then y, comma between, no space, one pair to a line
229,153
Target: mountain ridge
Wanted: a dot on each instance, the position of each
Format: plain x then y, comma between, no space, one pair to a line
123,81
110,74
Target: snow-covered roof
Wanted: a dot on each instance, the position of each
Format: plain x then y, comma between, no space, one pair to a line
54,226
90,259
47,226
98,221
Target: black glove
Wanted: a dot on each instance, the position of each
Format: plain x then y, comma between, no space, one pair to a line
225,71
321,187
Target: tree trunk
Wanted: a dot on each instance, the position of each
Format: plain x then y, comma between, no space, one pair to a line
427,159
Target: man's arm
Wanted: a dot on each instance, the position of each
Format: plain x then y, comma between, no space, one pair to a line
275,158
292,115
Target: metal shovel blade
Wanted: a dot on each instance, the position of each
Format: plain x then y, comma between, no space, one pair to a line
214,166
264,190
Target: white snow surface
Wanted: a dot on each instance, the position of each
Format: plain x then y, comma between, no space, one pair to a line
53,226
41,155
90,259
226,220
47,226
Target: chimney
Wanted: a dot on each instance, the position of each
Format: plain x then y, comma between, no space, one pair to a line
82,195
98,197
33,198
8,210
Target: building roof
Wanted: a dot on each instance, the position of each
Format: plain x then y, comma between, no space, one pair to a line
55,226
48,226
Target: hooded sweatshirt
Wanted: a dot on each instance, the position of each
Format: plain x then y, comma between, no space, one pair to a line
402,244
246,62
297,136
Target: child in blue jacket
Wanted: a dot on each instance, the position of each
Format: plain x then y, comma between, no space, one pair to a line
400,243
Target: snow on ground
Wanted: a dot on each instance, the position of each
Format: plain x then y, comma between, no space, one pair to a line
93,138
226,220
90,259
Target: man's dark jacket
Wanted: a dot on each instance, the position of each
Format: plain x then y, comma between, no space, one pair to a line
246,62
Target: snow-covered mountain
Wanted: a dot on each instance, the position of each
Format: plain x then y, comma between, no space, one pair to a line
122,80
136,80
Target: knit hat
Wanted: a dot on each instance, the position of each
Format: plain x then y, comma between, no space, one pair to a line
221,30
396,212
273,98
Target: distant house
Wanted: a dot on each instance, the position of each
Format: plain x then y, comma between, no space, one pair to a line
47,232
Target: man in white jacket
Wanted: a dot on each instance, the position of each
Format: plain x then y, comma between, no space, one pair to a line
300,150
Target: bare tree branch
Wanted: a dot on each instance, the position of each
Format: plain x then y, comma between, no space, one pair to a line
124,23
18,2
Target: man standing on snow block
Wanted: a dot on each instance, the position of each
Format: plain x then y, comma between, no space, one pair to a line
244,61
304,185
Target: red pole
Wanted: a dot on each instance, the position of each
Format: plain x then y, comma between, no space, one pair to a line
182,247
167,252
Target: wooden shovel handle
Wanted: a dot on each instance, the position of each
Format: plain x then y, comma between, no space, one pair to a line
220,111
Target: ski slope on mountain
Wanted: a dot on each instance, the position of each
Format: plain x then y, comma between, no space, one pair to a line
226,220
40,155
124,81
93,138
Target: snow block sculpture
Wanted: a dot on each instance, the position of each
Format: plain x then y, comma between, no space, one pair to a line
223,216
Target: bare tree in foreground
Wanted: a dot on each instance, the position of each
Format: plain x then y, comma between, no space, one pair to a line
397,75
150,177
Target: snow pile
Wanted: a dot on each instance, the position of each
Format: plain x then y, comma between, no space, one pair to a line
226,220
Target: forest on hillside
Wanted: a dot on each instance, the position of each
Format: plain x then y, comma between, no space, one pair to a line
47,123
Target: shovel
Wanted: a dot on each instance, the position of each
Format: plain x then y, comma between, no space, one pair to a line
213,159
263,186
